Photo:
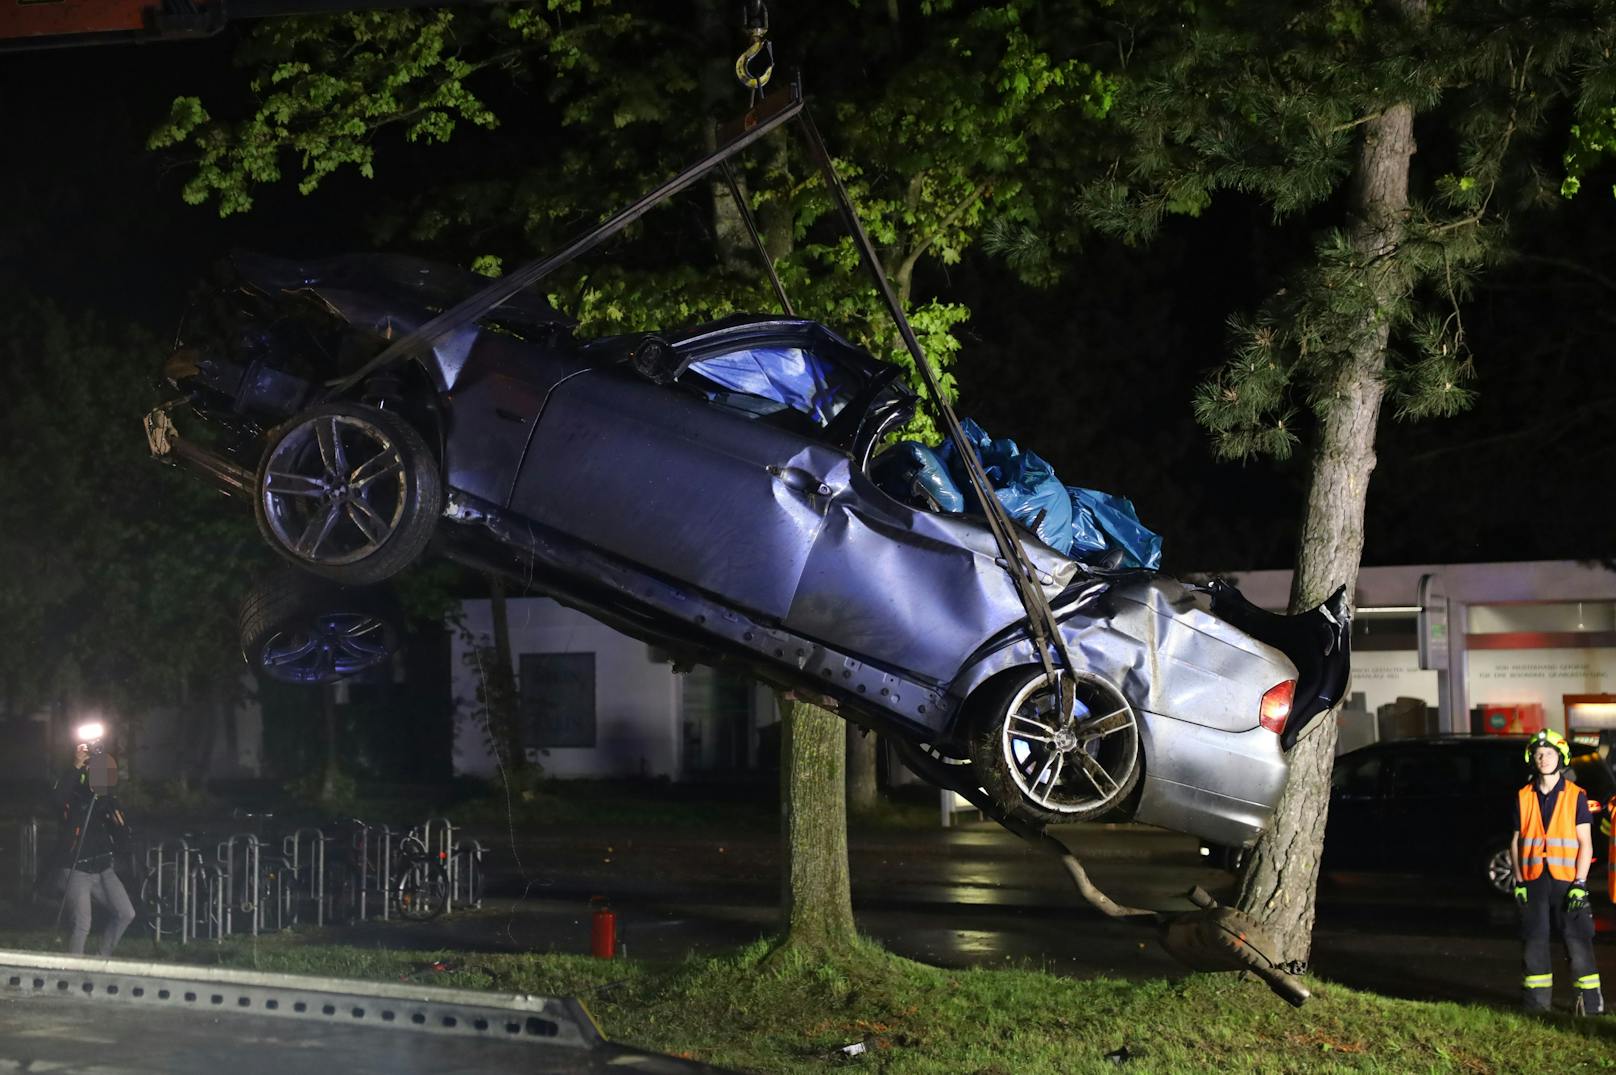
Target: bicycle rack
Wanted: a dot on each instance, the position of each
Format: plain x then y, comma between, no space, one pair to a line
442,849
249,888
293,847
169,878
241,889
216,911
466,864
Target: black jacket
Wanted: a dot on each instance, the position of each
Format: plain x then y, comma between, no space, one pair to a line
93,824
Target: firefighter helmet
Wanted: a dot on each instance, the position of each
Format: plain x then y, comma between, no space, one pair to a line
1548,737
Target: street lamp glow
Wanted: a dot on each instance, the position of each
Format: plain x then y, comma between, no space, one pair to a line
91,731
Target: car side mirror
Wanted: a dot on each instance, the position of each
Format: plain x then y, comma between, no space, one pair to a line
654,360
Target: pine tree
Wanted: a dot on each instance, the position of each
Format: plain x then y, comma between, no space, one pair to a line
1314,110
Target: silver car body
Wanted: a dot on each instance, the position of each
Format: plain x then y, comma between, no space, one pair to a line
724,531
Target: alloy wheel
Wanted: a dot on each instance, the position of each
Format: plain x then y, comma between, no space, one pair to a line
1076,769
327,647
335,489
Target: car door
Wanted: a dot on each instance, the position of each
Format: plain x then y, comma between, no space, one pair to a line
711,494
1438,808
914,590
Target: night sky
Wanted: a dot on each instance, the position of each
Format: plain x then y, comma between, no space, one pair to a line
1095,374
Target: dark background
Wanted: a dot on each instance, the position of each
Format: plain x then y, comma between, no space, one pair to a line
1096,374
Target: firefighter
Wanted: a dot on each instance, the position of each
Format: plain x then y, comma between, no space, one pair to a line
1608,827
1551,852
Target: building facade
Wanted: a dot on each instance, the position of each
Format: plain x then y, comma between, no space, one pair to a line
595,703
1508,647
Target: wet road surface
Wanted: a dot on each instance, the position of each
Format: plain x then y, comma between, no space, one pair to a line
971,896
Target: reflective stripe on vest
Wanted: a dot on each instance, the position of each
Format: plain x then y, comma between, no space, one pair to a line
1556,847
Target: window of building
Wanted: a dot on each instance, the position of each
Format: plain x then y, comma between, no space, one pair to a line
557,699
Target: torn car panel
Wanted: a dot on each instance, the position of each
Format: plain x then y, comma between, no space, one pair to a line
719,490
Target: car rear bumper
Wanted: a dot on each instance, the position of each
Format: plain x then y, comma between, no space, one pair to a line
1220,786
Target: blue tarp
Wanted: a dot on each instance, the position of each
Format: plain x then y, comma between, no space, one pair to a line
787,375
1023,482
1073,521
1112,522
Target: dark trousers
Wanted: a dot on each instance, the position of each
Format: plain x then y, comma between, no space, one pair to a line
1543,916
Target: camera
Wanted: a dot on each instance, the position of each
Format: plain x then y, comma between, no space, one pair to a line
91,736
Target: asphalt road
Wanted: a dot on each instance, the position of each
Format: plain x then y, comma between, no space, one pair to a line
971,896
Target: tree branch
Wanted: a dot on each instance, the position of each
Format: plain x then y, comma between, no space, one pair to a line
906,268
1359,122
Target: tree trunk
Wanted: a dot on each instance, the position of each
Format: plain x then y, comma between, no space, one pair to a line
816,903
863,793
1281,877
499,684
723,96
331,769
201,710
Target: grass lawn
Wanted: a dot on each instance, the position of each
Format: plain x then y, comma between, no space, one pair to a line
785,1013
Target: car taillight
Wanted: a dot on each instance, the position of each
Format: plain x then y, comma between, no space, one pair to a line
1276,706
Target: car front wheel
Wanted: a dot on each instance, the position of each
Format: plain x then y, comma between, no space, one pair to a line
1044,772
348,492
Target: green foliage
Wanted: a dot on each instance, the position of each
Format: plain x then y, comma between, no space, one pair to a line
1592,142
105,600
1272,102
332,793
148,799
617,87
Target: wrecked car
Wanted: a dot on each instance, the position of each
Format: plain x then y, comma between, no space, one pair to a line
721,491
710,490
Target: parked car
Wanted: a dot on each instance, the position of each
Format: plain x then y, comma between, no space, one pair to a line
1459,791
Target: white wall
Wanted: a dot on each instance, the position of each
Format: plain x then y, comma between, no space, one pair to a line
637,715
1383,676
1530,580
1544,676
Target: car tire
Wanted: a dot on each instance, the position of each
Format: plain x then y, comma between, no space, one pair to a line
297,629
1496,869
1041,775
348,492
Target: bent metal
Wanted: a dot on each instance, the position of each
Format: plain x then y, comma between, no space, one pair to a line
717,491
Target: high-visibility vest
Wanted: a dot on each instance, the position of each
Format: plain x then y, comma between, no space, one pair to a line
1558,845
1608,827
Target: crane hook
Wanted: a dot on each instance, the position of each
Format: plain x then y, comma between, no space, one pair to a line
755,23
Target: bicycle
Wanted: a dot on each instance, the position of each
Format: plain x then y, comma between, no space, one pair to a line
421,891
183,896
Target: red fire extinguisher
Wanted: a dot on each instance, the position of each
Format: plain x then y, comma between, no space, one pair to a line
602,929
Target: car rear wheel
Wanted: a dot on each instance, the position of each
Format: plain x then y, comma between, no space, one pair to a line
1043,773
299,630
348,492
1499,872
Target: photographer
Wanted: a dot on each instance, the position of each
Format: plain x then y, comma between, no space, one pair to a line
91,831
